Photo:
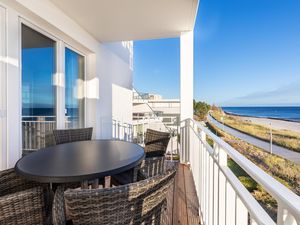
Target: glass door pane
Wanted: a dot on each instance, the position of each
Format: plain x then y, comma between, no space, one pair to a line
74,92
38,91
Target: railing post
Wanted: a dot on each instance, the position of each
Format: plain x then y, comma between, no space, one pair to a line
118,130
222,157
184,142
211,190
253,222
188,138
241,217
230,204
284,217
172,147
181,144
216,187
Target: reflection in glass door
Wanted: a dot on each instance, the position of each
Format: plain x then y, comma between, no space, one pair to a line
38,91
74,89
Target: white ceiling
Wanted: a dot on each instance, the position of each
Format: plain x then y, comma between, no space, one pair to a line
121,20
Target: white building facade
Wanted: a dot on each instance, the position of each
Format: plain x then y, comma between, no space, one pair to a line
147,106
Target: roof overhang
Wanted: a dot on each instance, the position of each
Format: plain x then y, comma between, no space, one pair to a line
122,20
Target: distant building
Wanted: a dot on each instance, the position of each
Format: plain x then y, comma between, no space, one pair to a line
152,107
154,112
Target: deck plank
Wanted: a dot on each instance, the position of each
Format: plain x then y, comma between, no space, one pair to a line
180,199
192,202
185,203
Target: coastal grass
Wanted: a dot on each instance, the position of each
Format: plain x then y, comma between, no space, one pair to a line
284,171
285,138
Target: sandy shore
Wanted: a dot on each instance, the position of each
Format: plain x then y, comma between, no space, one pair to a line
276,124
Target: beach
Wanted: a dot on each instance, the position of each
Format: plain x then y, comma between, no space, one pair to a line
276,123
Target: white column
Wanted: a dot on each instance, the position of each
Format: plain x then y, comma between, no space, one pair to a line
59,82
14,94
92,95
186,74
3,59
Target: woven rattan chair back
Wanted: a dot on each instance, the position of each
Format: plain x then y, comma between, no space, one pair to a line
138,203
150,167
72,135
10,182
156,143
22,201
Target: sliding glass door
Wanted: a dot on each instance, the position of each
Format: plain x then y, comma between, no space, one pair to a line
38,91
74,89
43,89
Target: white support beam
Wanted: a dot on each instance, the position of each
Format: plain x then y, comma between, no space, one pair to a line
3,75
59,82
186,74
14,84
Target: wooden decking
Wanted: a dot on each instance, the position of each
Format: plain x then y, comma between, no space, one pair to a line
185,202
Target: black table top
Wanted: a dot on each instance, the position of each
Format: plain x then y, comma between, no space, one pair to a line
78,161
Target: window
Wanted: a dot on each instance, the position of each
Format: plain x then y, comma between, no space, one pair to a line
38,91
75,91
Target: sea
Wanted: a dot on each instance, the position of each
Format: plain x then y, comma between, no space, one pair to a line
33,113
282,113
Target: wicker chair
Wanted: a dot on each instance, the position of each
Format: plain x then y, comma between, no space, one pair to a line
23,202
156,143
151,167
127,177
148,168
72,135
143,202
49,139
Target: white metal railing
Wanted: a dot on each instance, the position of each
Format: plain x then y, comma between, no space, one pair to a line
222,198
35,128
136,133
122,131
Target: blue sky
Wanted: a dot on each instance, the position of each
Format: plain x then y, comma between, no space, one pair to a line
247,52
38,68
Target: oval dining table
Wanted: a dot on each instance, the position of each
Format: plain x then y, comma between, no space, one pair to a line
80,161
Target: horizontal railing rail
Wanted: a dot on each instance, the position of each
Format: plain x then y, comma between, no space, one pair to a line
222,197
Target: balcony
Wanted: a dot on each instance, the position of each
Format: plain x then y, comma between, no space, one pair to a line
205,188
206,191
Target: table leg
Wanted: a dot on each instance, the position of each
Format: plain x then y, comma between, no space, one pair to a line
95,184
85,184
107,182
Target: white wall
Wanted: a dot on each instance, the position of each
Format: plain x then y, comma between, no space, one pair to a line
121,110
108,65
115,89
